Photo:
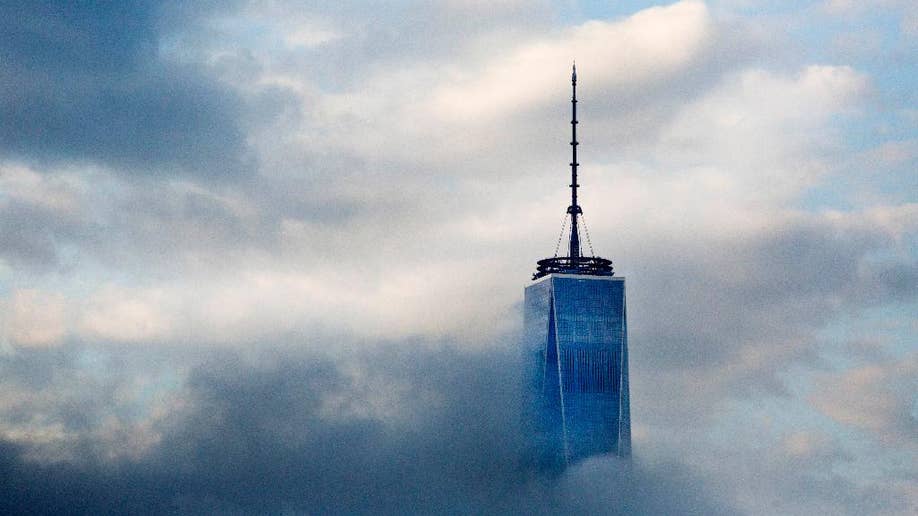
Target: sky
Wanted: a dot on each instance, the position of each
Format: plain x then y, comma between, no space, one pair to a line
269,256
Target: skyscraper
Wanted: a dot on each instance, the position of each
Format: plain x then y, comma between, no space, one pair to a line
575,350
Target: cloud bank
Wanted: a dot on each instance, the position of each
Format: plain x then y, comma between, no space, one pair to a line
305,435
270,256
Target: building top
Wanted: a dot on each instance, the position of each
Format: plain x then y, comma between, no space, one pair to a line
575,262
590,277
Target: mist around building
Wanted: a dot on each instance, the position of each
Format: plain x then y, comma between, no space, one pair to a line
268,257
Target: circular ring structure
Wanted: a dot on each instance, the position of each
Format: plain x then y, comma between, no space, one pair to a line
588,265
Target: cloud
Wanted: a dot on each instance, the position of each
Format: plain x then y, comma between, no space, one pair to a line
37,212
256,437
878,398
408,167
88,84
113,314
748,310
623,55
478,106
34,318
822,265
783,475
766,125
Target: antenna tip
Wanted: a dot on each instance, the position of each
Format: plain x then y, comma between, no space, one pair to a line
574,72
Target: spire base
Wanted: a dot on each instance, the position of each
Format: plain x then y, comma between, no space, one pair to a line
588,265
574,263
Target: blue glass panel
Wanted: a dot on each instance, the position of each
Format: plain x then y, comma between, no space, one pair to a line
576,359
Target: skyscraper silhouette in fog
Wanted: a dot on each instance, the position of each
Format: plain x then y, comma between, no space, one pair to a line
575,350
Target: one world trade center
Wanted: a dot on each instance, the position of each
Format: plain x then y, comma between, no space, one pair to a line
575,350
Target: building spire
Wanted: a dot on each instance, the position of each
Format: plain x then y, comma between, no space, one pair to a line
574,262
574,209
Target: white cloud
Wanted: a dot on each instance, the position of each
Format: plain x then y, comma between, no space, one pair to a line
310,37
649,47
59,192
879,398
406,193
765,131
34,318
127,315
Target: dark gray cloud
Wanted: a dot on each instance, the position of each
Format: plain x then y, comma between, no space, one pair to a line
257,439
28,235
87,82
736,290
716,320
723,319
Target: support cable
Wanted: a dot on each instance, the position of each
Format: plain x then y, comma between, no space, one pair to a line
561,235
587,231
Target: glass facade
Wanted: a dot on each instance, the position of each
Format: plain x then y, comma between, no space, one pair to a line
575,351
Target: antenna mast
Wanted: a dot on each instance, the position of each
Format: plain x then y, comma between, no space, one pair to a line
574,262
574,209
